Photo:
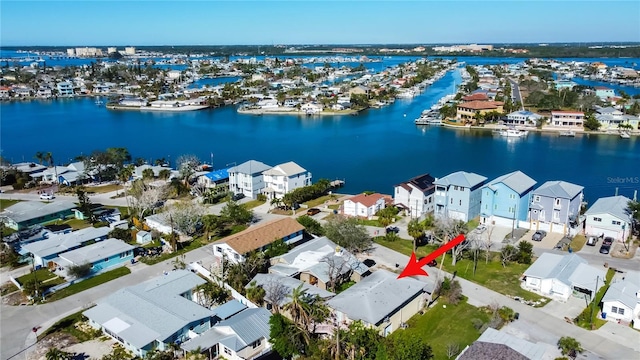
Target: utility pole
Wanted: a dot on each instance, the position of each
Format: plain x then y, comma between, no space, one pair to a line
593,302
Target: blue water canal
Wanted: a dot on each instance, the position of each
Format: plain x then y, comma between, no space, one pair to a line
372,151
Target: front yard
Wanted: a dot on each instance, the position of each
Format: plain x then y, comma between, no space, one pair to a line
89,283
4,203
588,319
102,189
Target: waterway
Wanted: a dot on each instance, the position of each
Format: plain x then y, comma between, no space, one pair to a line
372,151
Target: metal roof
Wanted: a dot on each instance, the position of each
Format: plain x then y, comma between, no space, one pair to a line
612,205
249,167
229,309
461,178
288,169
558,189
266,281
516,181
28,210
59,243
376,296
625,291
218,174
569,269
96,252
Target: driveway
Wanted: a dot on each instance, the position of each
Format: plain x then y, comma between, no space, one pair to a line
548,242
571,309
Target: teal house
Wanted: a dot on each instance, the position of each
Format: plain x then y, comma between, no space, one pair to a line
505,199
28,213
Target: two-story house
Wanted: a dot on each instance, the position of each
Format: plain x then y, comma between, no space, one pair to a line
247,178
555,207
416,195
613,119
609,216
567,119
522,117
284,178
458,195
505,199
65,88
363,205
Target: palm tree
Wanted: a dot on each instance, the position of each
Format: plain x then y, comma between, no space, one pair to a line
299,307
164,174
49,158
416,231
57,354
39,156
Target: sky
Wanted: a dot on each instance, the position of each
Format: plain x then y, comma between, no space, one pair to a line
157,22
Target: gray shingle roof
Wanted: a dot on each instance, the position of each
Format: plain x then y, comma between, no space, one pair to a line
558,189
95,252
289,168
481,350
613,205
461,178
568,269
59,243
376,296
517,181
289,283
27,210
625,290
525,348
250,167
152,310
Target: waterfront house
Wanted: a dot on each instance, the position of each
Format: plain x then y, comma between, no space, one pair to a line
5,92
567,119
505,199
234,248
103,255
364,205
214,178
458,195
564,84
139,170
499,345
319,262
555,207
604,92
522,117
153,314
65,88
479,96
560,276
243,336
284,178
382,301
621,302
22,92
613,119
609,216
467,110
45,252
27,213
416,195
44,92
247,178
28,168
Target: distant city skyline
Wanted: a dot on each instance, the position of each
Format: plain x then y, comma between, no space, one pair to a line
148,23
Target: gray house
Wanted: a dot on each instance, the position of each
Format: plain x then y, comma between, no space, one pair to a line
555,207
247,178
458,195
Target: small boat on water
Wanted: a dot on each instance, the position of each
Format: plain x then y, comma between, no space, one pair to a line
431,117
512,133
569,133
625,135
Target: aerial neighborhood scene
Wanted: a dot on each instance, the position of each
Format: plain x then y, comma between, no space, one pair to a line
319,180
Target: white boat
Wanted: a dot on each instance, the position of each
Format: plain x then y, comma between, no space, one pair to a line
431,117
569,133
512,133
625,135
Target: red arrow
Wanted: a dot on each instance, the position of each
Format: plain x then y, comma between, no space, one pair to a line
414,267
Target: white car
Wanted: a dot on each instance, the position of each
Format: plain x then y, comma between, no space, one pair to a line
481,228
46,196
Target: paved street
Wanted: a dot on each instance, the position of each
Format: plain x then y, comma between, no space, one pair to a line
104,199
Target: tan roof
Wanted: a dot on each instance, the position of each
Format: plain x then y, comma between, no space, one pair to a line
480,105
288,169
366,200
258,236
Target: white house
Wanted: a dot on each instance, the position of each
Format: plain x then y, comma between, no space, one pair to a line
284,178
608,216
560,276
567,119
416,195
247,178
364,205
622,300
522,117
311,109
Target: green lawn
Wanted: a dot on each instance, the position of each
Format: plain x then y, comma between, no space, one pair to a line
76,224
578,242
103,189
441,326
67,325
4,203
123,210
319,201
89,283
41,275
7,288
492,275
590,314
252,203
196,243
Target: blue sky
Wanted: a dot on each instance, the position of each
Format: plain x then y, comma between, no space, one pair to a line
148,22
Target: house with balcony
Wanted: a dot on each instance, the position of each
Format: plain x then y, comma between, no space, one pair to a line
604,92
567,119
458,196
284,178
505,199
214,179
415,195
609,216
247,178
621,302
364,205
466,111
522,118
613,119
234,248
382,301
555,207
153,314
65,88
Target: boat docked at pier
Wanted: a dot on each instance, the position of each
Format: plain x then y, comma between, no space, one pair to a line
431,117
512,133
569,133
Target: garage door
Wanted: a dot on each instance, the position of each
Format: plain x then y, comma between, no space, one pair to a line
457,215
502,221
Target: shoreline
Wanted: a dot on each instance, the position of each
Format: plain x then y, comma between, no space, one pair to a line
296,112
543,130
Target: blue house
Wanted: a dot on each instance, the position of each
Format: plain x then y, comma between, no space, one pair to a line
506,198
214,178
458,196
102,255
555,206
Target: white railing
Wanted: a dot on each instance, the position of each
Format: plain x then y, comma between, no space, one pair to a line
206,273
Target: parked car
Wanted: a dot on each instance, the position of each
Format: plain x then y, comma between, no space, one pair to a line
481,228
539,235
392,229
237,196
592,240
46,196
604,249
431,263
313,211
607,241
